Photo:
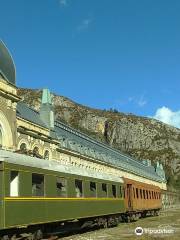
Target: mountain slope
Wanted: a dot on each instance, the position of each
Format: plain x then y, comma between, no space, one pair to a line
141,137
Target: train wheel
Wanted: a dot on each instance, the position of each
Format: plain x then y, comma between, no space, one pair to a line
38,235
156,213
5,237
105,224
13,237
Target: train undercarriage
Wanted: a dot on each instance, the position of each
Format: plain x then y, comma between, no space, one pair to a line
53,230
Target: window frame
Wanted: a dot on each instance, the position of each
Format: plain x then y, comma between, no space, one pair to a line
81,192
36,184
65,192
11,181
115,188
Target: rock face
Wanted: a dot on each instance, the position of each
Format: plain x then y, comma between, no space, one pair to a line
141,137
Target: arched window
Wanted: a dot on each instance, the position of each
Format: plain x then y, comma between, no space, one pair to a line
36,151
23,147
46,154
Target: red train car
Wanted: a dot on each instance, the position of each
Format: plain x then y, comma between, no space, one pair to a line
141,199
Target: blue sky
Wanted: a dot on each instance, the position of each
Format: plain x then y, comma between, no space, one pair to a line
122,54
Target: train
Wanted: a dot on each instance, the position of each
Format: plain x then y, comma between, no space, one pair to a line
39,195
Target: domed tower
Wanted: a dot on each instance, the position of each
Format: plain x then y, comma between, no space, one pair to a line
8,100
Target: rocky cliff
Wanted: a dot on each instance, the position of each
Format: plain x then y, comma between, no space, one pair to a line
141,137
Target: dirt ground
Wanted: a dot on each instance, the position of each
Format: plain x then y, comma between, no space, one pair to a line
165,226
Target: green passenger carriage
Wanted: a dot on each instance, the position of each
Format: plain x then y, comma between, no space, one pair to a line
34,192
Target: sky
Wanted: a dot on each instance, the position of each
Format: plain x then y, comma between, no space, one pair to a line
122,54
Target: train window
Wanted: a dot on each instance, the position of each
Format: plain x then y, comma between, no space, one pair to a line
93,189
134,193
37,184
78,188
14,183
137,194
147,194
124,192
141,193
144,196
61,187
120,191
104,189
114,190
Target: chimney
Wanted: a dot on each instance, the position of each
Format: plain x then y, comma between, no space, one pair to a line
47,109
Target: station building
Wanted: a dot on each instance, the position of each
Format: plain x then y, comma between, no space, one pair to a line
24,130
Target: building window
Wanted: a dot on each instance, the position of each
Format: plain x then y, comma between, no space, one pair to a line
14,183
46,154
114,190
147,194
36,152
61,187
93,189
37,184
78,188
104,189
23,147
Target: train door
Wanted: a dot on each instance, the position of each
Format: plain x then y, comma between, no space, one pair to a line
129,196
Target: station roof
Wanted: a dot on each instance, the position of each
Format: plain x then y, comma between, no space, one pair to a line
28,113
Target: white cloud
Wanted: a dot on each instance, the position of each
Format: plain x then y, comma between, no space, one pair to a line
166,115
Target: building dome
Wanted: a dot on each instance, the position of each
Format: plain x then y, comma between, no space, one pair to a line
7,67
